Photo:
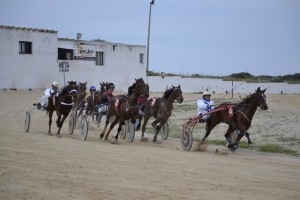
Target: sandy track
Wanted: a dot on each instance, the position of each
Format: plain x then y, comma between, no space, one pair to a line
36,166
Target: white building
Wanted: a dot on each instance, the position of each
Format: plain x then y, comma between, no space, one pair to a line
34,58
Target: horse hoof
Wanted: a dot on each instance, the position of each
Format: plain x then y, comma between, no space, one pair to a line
115,141
49,134
58,135
157,142
144,139
232,148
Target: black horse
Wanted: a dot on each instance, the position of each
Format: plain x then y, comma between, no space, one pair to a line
62,104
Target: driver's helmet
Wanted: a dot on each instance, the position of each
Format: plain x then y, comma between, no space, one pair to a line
55,84
92,88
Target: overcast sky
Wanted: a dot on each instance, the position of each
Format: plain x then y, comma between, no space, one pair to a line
210,37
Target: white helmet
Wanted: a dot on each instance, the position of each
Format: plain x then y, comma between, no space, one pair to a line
55,84
206,93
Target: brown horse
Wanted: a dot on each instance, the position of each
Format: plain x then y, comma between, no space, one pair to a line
243,113
125,107
79,104
62,104
161,110
104,101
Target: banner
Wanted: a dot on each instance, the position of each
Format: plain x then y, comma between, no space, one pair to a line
85,52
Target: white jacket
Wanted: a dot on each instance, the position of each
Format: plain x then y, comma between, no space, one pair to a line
204,106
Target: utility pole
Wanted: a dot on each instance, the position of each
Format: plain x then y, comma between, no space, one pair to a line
148,42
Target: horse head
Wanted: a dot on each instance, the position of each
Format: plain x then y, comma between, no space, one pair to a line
260,99
140,88
103,87
178,93
72,89
82,86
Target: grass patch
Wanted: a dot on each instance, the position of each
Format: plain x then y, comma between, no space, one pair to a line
273,148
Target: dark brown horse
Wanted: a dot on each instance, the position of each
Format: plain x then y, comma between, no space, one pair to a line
104,101
161,110
243,113
62,104
79,104
125,107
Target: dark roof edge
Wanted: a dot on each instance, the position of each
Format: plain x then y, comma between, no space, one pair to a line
28,29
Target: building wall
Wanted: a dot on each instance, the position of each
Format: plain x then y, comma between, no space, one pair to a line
34,70
121,66
41,68
197,85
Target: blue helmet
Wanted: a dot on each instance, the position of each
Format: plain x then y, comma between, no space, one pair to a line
92,88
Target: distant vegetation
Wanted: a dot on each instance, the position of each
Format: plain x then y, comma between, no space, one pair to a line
242,76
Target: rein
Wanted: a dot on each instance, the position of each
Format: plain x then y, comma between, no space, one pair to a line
244,115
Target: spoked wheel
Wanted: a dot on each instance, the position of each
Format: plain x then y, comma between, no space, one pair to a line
72,123
27,121
84,129
186,138
131,131
164,131
123,132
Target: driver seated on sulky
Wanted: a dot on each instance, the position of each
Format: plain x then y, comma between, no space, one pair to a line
205,105
47,94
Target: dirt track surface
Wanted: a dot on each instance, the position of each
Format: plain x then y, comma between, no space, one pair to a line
36,166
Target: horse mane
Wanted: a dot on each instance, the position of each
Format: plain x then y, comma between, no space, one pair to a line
65,90
247,99
168,92
131,88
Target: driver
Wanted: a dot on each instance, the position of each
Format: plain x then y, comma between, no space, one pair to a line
205,105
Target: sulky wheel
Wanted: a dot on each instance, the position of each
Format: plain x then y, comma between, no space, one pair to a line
84,129
164,131
130,131
27,121
186,138
123,132
72,123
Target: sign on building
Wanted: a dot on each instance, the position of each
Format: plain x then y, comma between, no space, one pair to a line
85,52
63,67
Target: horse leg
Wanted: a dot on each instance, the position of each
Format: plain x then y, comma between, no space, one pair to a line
146,119
119,129
50,122
104,130
157,129
111,127
231,145
61,124
248,137
139,124
210,124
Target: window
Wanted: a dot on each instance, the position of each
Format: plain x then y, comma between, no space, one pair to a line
65,54
25,47
99,58
141,58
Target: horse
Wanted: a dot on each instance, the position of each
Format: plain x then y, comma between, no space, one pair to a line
243,113
160,109
79,104
104,101
62,104
125,107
